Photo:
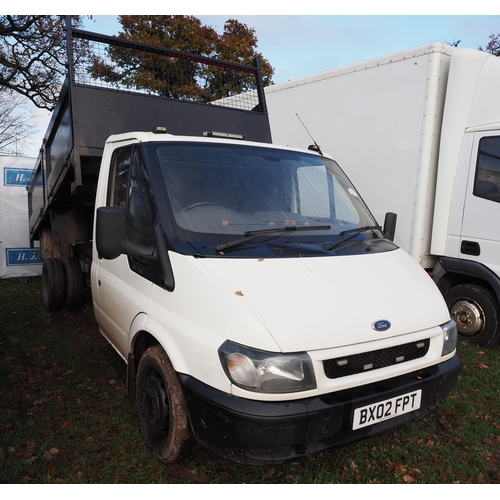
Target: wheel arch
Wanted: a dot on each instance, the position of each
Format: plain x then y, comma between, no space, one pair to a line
141,339
188,349
449,272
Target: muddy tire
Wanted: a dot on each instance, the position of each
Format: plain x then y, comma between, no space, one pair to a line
475,311
163,413
53,285
74,282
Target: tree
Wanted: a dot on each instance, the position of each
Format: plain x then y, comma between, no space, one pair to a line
178,78
33,56
493,46
16,122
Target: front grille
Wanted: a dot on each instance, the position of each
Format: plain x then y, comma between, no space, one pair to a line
373,360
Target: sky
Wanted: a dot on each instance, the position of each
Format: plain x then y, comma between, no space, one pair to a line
300,44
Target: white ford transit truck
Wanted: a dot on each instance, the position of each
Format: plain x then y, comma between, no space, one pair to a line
418,133
259,306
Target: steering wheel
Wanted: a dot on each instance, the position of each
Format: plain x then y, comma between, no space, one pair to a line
199,204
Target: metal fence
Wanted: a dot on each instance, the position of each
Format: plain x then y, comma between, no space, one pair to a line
123,65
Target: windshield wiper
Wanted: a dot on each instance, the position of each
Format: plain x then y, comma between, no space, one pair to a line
271,233
352,233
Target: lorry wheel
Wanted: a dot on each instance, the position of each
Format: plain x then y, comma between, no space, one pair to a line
162,409
475,311
74,282
53,285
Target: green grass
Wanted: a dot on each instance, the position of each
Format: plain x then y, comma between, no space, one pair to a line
65,417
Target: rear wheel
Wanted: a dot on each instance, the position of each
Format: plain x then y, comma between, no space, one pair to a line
475,310
74,282
162,410
53,285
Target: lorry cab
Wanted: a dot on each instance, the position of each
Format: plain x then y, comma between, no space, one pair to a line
267,286
465,232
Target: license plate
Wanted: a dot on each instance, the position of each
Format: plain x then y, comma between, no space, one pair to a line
384,410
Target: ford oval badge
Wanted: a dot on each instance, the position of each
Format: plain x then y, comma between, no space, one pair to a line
381,325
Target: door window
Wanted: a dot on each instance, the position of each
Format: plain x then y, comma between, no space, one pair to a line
487,179
130,189
118,180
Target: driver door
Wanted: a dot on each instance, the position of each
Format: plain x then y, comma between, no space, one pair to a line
480,235
123,289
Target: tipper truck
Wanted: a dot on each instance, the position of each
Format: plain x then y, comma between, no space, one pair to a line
260,308
418,133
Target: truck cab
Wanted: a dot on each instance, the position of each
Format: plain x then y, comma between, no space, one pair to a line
252,282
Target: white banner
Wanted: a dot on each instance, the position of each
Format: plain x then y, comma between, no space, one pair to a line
17,259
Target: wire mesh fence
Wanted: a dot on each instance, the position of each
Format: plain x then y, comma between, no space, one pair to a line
123,65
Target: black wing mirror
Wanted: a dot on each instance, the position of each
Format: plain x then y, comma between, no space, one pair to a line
111,236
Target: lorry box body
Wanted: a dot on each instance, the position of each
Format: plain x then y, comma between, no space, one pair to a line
258,305
418,133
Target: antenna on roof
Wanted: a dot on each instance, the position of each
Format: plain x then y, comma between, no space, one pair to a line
312,147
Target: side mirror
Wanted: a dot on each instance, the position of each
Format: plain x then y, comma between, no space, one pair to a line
111,236
390,225
111,231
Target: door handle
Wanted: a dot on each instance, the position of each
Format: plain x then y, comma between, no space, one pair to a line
470,248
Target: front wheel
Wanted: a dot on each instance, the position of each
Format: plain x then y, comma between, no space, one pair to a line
475,310
162,410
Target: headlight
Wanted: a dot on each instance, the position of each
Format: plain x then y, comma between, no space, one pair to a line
449,337
270,372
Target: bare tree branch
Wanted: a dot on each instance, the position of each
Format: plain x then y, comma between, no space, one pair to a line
33,56
17,123
493,46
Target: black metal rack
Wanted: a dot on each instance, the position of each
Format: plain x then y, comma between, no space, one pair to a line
90,109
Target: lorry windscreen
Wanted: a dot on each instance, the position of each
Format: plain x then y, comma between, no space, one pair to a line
223,192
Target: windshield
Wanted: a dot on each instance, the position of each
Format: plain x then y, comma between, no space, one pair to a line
225,194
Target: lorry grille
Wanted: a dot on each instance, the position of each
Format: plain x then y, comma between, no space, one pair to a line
373,360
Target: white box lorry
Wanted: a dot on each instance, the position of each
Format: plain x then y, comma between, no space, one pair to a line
258,305
418,133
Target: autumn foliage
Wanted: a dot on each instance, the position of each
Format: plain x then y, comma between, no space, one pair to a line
178,78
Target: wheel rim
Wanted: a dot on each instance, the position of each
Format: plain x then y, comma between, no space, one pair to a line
468,316
155,405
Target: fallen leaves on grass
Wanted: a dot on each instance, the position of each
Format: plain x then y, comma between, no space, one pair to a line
50,453
480,364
